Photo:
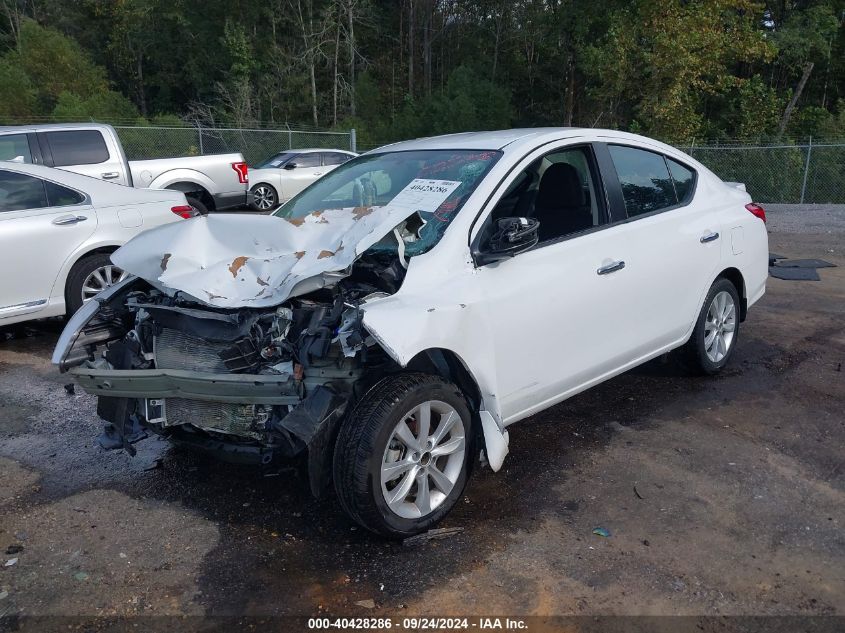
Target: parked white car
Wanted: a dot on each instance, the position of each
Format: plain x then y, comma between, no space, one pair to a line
283,175
57,230
213,182
406,309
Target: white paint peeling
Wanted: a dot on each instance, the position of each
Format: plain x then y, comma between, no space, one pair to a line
232,261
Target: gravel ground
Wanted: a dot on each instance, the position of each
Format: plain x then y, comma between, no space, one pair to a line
722,496
806,219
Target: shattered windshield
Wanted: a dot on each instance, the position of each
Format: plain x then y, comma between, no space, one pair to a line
433,183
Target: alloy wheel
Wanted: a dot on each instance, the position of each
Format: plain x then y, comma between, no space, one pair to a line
264,197
101,278
720,326
423,459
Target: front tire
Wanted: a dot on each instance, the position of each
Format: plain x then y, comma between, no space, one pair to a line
263,197
402,455
714,338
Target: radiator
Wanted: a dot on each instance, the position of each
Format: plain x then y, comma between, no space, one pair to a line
178,350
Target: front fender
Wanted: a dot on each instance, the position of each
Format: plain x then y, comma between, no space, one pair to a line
404,328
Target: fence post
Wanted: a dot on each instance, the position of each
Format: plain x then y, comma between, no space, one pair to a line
353,140
290,137
806,169
692,146
199,135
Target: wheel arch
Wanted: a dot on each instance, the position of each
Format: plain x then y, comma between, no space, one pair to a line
735,277
447,364
199,192
60,285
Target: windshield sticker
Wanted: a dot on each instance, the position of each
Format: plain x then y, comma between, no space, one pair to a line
424,195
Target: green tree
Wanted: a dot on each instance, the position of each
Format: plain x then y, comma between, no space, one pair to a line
668,59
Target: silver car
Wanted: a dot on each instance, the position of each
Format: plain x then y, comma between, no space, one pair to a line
281,176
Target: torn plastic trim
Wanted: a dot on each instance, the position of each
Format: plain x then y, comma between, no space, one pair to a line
74,338
315,422
496,440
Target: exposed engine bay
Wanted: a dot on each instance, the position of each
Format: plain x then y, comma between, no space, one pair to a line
251,384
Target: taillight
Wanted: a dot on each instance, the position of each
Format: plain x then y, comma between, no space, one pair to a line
184,211
243,172
756,210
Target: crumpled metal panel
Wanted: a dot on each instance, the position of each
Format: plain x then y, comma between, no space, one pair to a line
231,261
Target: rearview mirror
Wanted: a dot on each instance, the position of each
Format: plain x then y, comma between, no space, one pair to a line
510,237
290,165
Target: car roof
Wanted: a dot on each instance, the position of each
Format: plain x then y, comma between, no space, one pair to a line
311,150
515,139
51,126
101,192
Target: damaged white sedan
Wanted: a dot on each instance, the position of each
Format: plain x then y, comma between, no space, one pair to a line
388,323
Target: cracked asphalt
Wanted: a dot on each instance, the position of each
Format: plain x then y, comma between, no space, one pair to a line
722,496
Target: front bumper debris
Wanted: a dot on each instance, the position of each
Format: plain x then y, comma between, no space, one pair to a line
178,383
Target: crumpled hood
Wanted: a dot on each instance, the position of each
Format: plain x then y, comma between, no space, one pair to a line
232,261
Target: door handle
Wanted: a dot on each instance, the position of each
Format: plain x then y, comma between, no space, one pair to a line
611,268
318,173
67,220
110,175
709,237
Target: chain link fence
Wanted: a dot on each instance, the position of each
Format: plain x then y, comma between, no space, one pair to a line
809,172
141,143
812,172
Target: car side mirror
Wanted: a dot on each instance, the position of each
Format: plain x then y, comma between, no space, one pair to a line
290,166
510,237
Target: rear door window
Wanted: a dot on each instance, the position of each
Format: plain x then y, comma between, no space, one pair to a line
307,160
15,147
19,192
59,196
335,158
684,179
644,176
77,147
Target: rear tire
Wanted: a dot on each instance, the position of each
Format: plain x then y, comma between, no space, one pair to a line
716,331
197,205
394,488
89,275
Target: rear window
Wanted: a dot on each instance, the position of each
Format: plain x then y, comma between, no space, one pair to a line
15,147
77,147
684,179
60,196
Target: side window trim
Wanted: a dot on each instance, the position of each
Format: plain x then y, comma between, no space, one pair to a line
553,147
34,148
44,146
620,213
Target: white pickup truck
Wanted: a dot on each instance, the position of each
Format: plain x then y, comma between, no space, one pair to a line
211,183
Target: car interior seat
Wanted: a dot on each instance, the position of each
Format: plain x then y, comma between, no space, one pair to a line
561,205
